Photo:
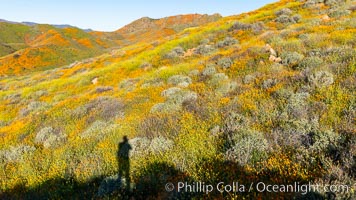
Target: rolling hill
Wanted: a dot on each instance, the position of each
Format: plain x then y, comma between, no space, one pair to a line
262,97
25,47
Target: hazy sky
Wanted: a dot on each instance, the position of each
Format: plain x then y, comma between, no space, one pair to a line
110,15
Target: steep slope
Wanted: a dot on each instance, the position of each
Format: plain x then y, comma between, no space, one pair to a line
29,47
266,96
147,29
44,46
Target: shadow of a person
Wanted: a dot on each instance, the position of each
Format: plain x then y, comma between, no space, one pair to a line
124,161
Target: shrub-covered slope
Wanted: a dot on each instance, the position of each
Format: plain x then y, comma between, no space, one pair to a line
25,48
267,96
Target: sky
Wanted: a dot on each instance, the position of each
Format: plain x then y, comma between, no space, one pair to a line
110,15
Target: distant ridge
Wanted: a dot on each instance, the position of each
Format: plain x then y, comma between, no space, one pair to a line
55,25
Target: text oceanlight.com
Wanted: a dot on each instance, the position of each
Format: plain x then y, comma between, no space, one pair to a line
236,187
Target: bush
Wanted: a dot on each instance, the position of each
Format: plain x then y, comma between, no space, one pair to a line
194,72
204,49
49,137
209,70
128,84
226,87
256,27
225,63
291,58
334,2
180,97
310,62
296,107
139,146
312,3
321,79
38,94
249,79
99,129
15,153
176,97
248,147
240,26
233,122
152,83
285,19
13,98
176,52
339,13
160,144
103,107
102,89
228,41
284,11
296,18
180,80
32,107
179,51
111,185
165,125
218,79
165,108
269,83
170,91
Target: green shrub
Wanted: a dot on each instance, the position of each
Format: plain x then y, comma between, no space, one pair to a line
128,84
226,87
321,79
159,125
248,79
33,106
38,94
156,82
269,83
255,28
204,49
218,79
180,97
291,58
228,41
170,91
176,52
248,147
99,129
180,80
15,153
225,63
209,70
285,19
13,98
165,108
142,146
240,26
50,137
339,13
193,73
284,11
312,3
233,122
102,107
310,62
102,89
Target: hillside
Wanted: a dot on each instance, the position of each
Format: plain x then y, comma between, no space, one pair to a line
265,96
27,47
147,29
